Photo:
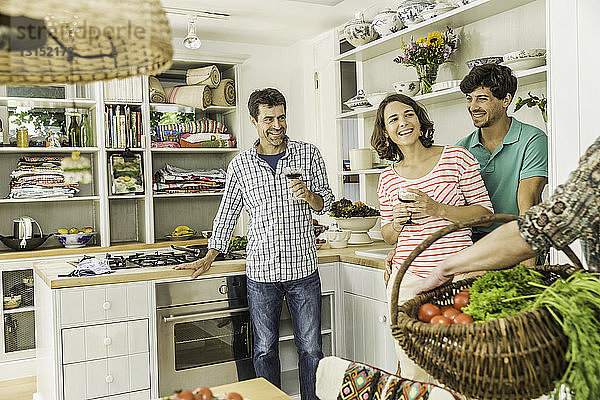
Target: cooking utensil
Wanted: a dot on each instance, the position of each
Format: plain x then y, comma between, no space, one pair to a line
23,229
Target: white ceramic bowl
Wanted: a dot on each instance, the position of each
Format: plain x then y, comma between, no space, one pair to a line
408,88
375,98
74,240
484,60
387,22
410,11
357,224
524,53
525,63
338,239
359,32
445,85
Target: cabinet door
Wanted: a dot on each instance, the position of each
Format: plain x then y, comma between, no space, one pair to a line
74,382
118,375
116,340
95,345
137,336
138,302
71,306
115,302
97,378
384,350
73,345
139,371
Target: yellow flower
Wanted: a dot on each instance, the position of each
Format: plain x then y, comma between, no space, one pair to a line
434,38
422,40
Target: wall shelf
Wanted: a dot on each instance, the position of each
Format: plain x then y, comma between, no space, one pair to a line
195,150
48,149
361,172
170,195
46,103
525,77
460,16
50,200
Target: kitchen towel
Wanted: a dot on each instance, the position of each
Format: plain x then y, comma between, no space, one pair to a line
198,96
157,93
224,95
203,76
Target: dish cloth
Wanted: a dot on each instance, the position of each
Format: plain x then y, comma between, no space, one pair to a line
224,94
198,96
203,76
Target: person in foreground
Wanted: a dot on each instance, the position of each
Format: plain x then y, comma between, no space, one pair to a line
513,156
281,253
427,188
572,212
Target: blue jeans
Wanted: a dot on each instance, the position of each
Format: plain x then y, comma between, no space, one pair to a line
304,303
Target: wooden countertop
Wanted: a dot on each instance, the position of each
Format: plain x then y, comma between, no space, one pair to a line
48,270
253,389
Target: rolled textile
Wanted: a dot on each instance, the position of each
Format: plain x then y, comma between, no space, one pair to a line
203,125
224,95
203,76
198,96
157,92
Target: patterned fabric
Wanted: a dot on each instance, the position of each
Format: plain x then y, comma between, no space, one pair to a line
362,382
203,125
572,212
281,239
455,181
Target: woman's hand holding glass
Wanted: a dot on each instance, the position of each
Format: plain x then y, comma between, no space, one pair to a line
401,216
423,204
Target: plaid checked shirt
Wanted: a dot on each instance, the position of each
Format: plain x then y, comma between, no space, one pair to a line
281,240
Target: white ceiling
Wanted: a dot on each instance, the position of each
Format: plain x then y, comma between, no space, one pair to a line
269,22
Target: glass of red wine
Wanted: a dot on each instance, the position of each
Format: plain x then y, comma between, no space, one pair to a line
406,197
293,173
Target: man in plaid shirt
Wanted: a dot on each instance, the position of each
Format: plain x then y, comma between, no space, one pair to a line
281,254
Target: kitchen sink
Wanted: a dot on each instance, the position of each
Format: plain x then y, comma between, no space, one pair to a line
374,253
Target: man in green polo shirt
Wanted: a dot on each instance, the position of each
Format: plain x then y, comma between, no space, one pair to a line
513,156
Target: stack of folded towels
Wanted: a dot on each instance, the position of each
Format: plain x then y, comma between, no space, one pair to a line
201,133
204,87
40,177
170,179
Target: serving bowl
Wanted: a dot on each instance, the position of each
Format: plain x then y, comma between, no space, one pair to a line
74,240
375,98
484,60
387,22
407,88
525,63
410,11
445,85
524,53
359,32
30,244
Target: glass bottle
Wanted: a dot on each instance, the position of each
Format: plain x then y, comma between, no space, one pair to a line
86,132
74,132
22,137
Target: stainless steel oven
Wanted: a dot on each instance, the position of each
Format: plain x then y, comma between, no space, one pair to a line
204,333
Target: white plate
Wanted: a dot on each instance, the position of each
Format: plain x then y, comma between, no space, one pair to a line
445,85
525,63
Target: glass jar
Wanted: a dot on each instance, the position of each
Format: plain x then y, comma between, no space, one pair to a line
22,137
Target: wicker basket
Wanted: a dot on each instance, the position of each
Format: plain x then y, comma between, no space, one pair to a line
509,358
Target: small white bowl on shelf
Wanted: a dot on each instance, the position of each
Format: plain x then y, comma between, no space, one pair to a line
524,53
74,240
407,88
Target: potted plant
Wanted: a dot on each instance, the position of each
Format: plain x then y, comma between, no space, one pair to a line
357,217
426,54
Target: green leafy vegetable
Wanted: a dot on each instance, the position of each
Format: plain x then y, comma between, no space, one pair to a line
488,293
238,243
575,303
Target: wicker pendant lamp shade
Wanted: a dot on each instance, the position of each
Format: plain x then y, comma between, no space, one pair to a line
46,42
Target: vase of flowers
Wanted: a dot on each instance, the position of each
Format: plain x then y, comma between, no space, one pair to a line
426,54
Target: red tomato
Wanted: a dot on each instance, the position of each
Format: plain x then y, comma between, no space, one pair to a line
185,395
461,300
450,313
233,396
463,319
427,311
441,320
203,393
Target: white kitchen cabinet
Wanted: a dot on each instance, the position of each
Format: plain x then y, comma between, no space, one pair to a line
366,324
97,340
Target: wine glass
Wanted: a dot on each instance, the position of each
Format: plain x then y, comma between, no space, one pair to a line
293,173
406,197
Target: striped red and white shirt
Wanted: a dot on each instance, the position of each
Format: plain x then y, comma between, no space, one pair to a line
456,181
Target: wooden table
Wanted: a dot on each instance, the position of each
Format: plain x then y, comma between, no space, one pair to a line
253,389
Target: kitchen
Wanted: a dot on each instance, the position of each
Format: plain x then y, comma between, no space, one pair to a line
296,58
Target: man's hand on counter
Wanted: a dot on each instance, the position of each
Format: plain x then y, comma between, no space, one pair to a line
200,266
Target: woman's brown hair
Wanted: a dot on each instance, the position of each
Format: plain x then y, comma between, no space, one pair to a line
381,142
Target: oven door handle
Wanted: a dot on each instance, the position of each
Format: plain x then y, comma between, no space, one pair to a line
203,316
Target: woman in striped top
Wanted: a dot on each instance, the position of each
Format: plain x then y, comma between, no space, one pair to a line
443,181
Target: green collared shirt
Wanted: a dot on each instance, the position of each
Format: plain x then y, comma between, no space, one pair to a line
522,154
